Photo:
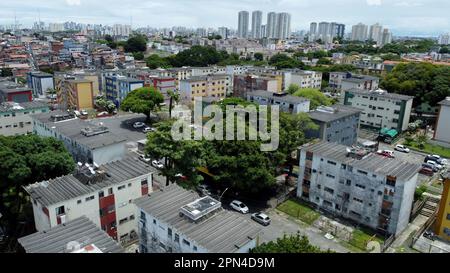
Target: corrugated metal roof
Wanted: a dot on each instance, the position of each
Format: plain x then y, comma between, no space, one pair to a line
68,187
219,233
80,230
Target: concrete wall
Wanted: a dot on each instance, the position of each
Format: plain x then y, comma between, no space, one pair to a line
443,126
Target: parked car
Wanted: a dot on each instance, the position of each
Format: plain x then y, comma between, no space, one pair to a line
430,166
438,166
157,164
239,206
144,158
386,153
138,125
103,114
148,129
84,113
402,148
430,235
261,218
426,171
203,189
181,176
437,159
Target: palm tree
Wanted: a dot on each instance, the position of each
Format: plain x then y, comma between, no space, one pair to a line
174,97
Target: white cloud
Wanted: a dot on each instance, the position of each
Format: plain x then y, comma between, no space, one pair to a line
73,2
373,2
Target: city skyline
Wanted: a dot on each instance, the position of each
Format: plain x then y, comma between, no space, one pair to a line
402,17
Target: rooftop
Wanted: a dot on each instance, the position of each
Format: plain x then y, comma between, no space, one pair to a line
372,162
13,106
278,97
203,78
72,186
80,230
360,78
445,102
381,94
72,128
332,113
224,232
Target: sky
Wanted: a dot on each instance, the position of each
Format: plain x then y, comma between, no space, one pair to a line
403,17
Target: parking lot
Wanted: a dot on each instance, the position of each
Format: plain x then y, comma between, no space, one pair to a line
122,125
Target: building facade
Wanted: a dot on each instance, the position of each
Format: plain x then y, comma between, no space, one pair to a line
40,83
118,87
442,131
287,103
381,109
15,118
369,189
442,225
103,194
214,86
243,24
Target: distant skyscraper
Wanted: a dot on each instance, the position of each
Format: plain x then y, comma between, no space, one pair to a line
312,32
283,26
324,31
263,31
201,32
359,32
223,31
271,26
386,38
444,39
243,24
256,24
376,33
340,32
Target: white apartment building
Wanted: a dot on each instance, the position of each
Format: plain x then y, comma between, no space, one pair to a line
345,80
304,79
243,24
287,103
442,131
103,194
444,39
367,188
359,32
40,83
214,86
380,108
179,221
15,118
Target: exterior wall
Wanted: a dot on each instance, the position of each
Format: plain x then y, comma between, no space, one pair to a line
85,95
312,80
296,108
95,84
343,131
40,85
443,125
19,124
442,228
355,194
211,87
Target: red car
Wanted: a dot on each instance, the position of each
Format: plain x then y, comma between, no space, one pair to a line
386,153
426,171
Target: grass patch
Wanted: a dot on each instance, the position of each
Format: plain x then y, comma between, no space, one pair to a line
360,238
430,149
299,211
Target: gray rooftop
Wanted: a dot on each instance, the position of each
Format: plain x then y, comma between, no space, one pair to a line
445,102
339,111
385,94
72,129
372,163
68,187
220,233
360,78
203,78
22,106
276,97
80,230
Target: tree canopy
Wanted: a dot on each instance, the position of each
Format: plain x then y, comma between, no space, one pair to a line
142,100
281,61
24,160
288,244
426,82
136,43
316,97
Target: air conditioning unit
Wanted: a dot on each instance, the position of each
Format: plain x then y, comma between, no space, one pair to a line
63,218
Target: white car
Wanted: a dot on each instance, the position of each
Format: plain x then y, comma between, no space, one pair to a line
433,163
138,125
144,158
148,129
239,206
402,148
157,164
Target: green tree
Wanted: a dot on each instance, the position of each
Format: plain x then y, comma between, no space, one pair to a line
316,97
258,56
138,56
105,105
198,56
288,244
142,100
422,140
174,98
136,43
293,88
24,160
281,61
444,50
155,61
6,72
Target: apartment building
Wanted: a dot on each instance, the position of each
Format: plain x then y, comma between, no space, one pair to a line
177,220
118,87
15,118
442,131
303,78
103,194
442,225
338,124
287,103
12,92
40,83
86,141
345,80
367,188
214,86
74,93
250,82
381,109
79,235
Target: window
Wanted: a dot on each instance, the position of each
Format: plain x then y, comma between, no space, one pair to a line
195,248
154,221
101,194
362,172
131,217
319,186
360,186
143,215
121,187
343,166
110,191
448,216
176,238
447,231
348,182
79,201
357,200
329,190
123,220
331,162
186,242
144,182
390,181
330,176
169,232
90,198
60,210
